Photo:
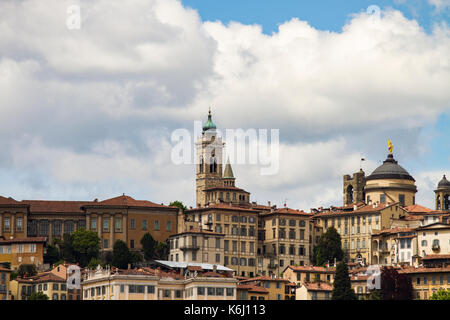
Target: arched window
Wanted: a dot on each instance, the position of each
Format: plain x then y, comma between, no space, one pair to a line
438,202
350,194
446,202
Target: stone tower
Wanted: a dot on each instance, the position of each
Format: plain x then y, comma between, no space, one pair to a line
209,155
442,194
354,187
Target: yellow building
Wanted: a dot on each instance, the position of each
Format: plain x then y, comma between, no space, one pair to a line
191,283
19,251
426,281
303,274
277,288
48,283
5,277
239,226
314,291
287,240
356,224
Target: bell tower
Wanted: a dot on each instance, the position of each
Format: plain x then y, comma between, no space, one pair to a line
209,153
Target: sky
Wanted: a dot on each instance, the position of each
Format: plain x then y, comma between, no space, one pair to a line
89,112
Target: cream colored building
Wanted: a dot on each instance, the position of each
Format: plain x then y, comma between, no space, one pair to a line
305,274
433,239
154,284
394,246
356,224
314,291
48,283
197,246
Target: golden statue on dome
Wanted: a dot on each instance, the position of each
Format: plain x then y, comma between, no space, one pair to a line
390,146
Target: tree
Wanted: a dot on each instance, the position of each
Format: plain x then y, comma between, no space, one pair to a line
328,248
52,254
375,295
178,204
121,255
27,270
86,245
94,263
67,251
162,251
342,289
135,257
441,294
149,246
395,286
38,296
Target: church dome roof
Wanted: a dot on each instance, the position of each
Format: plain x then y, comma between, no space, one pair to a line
444,183
209,124
390,169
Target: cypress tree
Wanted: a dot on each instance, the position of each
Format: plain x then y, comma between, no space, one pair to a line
342,289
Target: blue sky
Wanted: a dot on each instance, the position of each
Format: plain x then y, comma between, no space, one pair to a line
323,14
332,15
102,101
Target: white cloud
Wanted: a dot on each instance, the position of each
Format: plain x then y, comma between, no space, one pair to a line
88,113
440,4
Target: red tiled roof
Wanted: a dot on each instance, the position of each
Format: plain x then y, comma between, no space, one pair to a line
423,270
313,269
416,208
47,206
252,288
43,277
127,201
393,230
291,211
316,286
436,256
9,202
224,206
226,188
24,240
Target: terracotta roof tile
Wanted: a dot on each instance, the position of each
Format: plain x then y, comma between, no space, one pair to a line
316,286
24,240
127,201
313,269
51,206
436,256
416,208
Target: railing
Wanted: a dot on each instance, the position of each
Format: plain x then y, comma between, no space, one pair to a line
189,247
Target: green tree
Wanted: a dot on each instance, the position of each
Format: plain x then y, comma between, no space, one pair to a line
375,295
135,257
27,270
121,255
86,245
52,255
178,204
441,294
162,250
328,248
149,246
38,296
342,289
94,263
66,249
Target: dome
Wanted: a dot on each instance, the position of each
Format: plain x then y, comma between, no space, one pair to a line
390,170
444,183
209,124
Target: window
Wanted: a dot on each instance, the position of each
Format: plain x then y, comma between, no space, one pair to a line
144,225
132,224
401,199
55,287
43,228
6,223
219,291
132,244
383,198
57,227
20,248
150,289
19,224
211,291
93,223
201,291
226,245
169,226
156,226
55,296
32,248
122,288
118,224
105,243
217,257
106,224
68,227
230,292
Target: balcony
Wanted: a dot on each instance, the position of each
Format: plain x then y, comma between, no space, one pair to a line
436,248
272,265
189,247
